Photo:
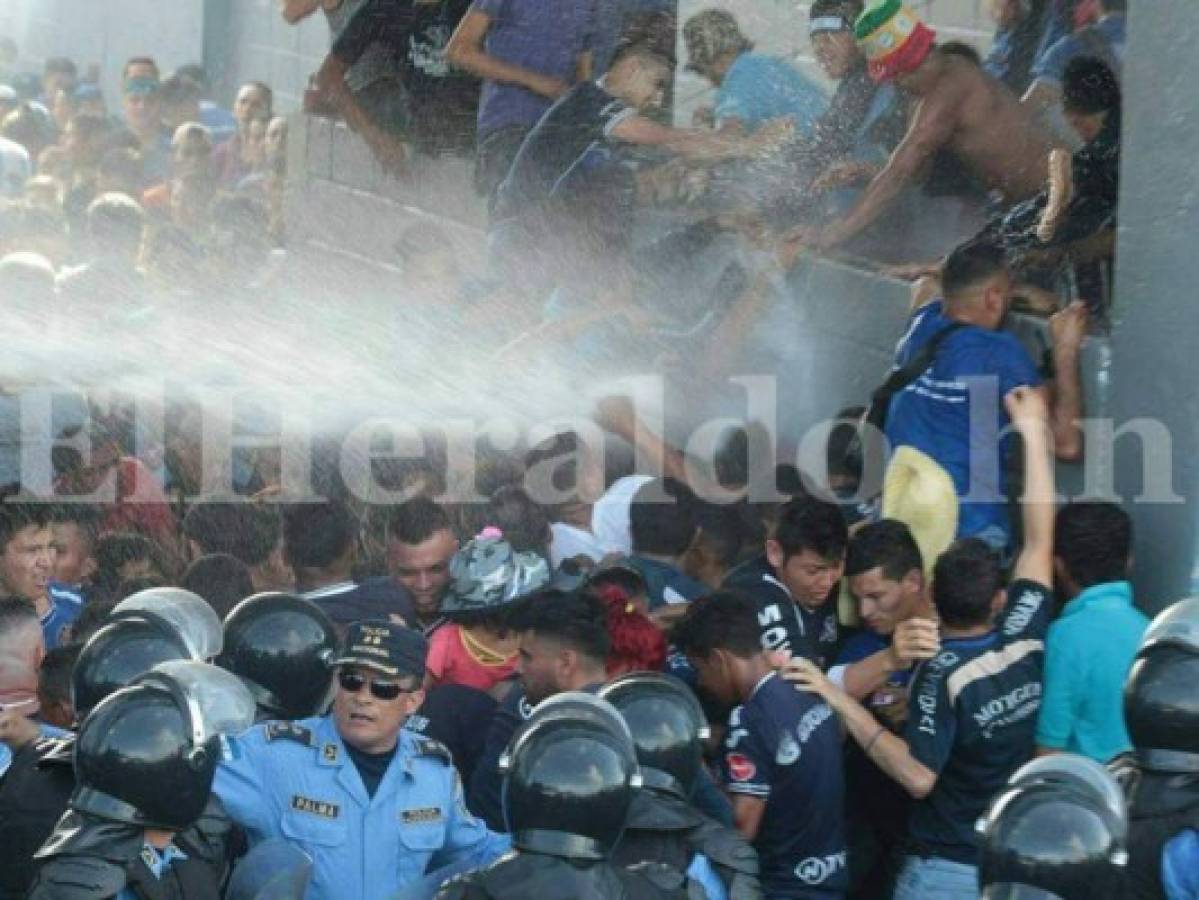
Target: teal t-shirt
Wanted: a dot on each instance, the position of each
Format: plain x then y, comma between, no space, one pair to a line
758,88
1088,653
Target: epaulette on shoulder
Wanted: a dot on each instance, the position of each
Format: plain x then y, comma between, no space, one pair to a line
55,751
289,731
429,747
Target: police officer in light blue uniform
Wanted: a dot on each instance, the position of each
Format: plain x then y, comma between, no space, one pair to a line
373,804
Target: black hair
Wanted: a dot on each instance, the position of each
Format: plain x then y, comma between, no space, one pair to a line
887,544
415,521
92,618
248,531
130,586
808,523
222,580
564,449
627,579
844,432
524,523
971,263
139,61
87,517
15,516
963,50
849,10
726,620
966,578
60,65
665,527
265,89
115,550
179,89
195,73
577,619
1089,86
30,127
317,535
727,528
54,676
1094,542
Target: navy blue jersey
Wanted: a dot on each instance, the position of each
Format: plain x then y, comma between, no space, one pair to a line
973,718
784,746
785,624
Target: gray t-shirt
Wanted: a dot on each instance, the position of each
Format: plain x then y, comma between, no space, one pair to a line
378,62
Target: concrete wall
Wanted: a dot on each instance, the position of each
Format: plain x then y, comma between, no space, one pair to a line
1154,342
105,34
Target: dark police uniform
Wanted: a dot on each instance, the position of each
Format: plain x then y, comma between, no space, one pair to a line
33,796
1161,805
785,624
784,747
972,720
667,829
521,876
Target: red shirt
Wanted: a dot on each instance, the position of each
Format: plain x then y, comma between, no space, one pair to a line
450,661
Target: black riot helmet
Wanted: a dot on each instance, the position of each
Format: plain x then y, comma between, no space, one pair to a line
118,653
1161,704
569,778
1059,830
144,629
281,646
667,724
146,755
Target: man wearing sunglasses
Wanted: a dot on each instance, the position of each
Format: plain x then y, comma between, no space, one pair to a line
374,805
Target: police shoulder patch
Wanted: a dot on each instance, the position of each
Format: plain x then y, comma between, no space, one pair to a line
436,749
289,731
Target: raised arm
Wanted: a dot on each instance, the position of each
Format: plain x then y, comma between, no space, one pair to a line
699,144
294,11
1027,408
465,50
1067,330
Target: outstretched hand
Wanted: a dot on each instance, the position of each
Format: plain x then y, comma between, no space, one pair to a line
806,676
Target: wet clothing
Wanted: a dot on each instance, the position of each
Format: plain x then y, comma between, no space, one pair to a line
758,88
520,875
934,413
543,36
1162,807
296,781
973,713
787,625
1093,203
451,661
784,747
1014,50
861,114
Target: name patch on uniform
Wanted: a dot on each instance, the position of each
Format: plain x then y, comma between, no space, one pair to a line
321,808
422,816
329,752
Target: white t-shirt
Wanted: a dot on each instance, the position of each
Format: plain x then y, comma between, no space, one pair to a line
609,525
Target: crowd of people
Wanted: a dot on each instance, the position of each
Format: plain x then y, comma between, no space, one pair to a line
907,676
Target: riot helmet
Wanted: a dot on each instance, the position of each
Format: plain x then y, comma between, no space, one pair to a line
1055,832
188,614
1073,772
1161,705
281,646
570,774
147,754
276,869
119,652
667,724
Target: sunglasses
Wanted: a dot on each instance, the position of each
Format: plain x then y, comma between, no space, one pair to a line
352,683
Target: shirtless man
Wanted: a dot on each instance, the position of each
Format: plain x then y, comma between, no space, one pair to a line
959,108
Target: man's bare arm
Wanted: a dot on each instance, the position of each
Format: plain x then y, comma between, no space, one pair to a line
699,144
297,10
1068,329
747,815
931,129
331,79
465,50
1030,416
